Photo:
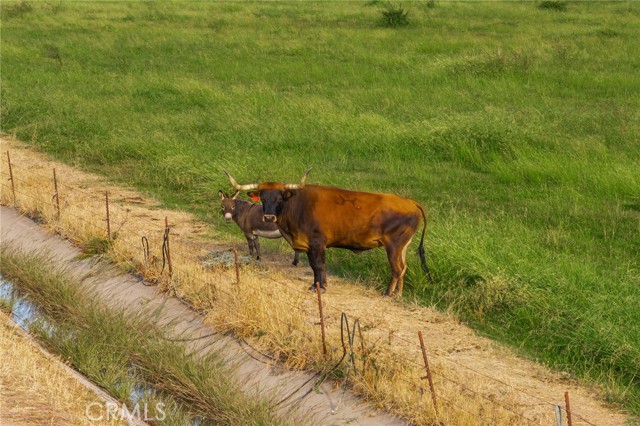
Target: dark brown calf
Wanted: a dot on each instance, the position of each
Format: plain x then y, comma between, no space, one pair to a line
313,218
248,216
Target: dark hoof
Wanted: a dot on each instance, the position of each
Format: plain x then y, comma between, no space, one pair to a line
312,287
294,263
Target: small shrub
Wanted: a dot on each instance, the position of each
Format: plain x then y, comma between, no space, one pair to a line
394,15
558,5
608,32
96,246
53,52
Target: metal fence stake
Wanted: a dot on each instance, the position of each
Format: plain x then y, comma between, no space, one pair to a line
324,344
558,412
13,188
106,198
428,376
168,249
235,263
568,408
55,188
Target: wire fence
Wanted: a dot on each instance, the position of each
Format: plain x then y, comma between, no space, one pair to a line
99,214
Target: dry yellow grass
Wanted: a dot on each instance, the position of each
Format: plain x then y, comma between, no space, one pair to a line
35,389
272,310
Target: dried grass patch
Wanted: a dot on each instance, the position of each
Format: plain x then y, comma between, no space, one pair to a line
35,390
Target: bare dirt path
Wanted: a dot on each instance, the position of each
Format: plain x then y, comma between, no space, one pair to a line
475,369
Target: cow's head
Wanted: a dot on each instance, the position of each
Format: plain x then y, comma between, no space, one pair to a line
228,205
272,194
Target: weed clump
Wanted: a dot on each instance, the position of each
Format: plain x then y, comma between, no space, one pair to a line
557,5
393,14
96,246
17,10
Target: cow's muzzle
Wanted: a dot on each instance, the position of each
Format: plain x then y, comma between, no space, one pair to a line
269,218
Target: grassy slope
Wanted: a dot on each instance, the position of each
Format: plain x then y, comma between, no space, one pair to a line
517,127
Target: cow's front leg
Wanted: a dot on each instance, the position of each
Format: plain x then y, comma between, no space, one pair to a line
296,258
316,255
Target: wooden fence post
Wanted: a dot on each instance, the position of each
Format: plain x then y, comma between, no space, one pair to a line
428,376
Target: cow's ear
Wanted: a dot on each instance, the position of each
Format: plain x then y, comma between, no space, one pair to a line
254,194
221,195
288,194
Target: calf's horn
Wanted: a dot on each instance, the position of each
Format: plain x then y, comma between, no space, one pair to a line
240,187
302,181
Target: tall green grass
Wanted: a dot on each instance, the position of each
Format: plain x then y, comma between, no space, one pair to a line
516,125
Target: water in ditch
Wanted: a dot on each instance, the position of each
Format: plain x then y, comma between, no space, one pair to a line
25,313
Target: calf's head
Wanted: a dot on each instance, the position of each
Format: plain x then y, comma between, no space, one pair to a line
228,205
273,195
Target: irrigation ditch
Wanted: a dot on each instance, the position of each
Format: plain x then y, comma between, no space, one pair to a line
475,381
269,394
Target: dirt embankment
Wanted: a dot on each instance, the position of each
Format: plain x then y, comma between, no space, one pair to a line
479,380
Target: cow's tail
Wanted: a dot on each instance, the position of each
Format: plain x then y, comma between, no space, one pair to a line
425,268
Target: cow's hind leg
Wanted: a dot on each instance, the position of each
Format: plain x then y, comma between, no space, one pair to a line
396,253
404,269
296,258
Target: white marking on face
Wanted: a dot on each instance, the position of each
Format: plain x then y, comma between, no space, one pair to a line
227,216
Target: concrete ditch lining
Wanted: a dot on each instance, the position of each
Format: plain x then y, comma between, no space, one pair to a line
301,397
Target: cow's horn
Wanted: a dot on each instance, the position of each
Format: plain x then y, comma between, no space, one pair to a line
240,187
302,181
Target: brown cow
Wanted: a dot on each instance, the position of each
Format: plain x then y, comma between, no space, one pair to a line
312,218
248,216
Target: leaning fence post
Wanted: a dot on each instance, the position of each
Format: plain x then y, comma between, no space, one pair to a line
168,249
106,199
13,188
235,263
324,344
55,188
428,376
568,408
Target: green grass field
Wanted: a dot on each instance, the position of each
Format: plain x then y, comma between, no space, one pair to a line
516,126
